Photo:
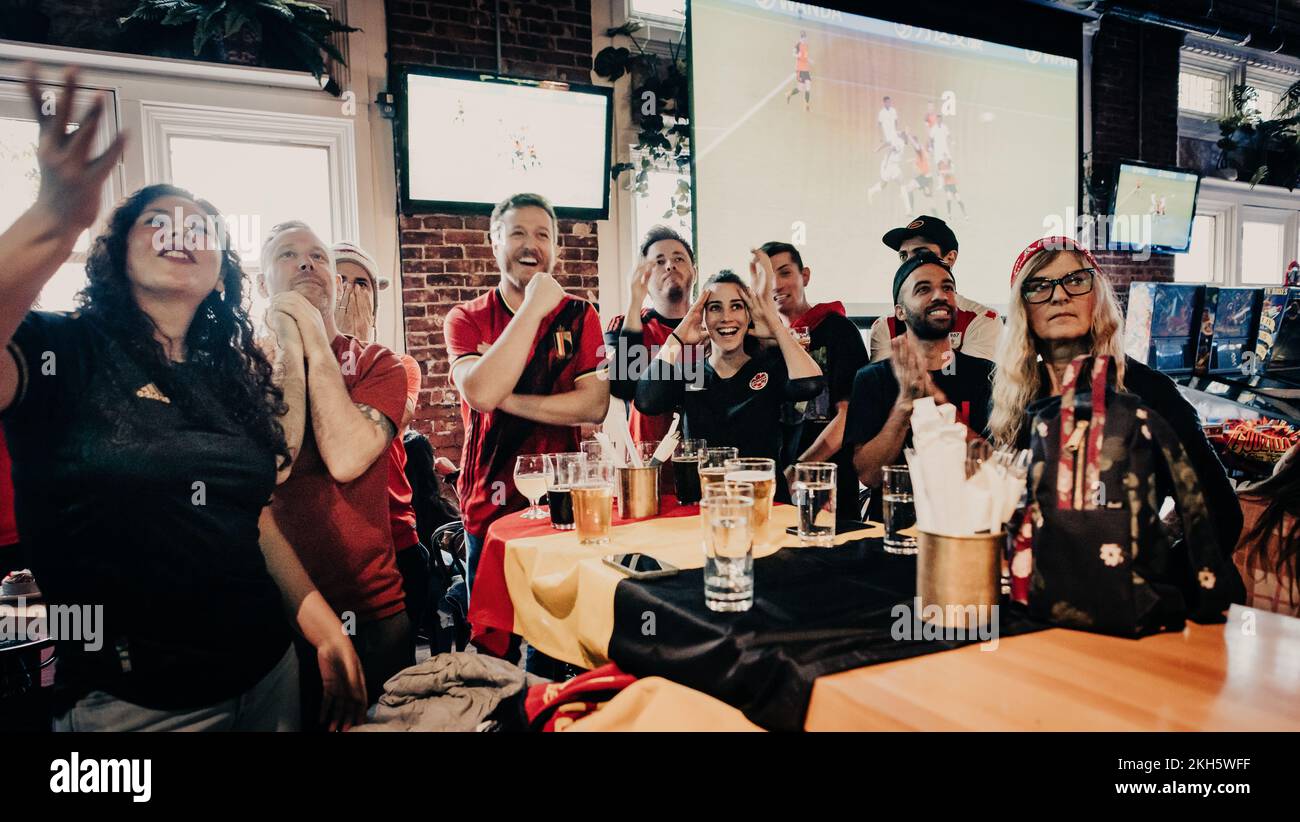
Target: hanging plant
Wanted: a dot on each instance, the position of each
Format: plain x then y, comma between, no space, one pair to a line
293,34
659,90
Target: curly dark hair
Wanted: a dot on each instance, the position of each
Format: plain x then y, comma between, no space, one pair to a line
220,338
1279,524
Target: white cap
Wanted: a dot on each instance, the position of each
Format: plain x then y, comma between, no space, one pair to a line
347,252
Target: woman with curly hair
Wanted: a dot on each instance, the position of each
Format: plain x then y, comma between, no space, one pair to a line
1062,305
146,433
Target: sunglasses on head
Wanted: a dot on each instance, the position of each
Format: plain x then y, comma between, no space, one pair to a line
1040,289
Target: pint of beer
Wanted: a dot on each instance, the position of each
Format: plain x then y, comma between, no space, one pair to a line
761,472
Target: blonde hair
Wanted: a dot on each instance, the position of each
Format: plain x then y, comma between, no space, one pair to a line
1017,381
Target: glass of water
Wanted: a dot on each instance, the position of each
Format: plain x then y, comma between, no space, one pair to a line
728,552
814,494
899,511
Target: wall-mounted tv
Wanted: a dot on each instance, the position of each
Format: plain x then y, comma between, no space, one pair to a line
1153,208
468,139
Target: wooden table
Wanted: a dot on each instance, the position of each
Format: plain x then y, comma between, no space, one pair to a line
1242,676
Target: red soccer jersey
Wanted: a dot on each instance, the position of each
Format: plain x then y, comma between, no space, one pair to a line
401,513
801,57
341,531
566,349
654,332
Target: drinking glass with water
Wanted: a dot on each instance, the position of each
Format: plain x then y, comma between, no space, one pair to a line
898,509
728,552
813,493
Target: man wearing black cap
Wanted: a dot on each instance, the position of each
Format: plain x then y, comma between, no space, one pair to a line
922,364
976,330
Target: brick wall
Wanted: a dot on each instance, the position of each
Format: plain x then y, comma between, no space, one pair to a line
1135,116
447,259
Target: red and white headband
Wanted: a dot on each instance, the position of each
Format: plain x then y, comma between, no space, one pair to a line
1057,243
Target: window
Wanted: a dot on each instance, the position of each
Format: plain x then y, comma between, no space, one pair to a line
20,180
672,11
259,169
1198,265
1263,254
655,207
1202,94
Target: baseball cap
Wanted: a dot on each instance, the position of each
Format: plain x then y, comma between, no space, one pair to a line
348,252
931,228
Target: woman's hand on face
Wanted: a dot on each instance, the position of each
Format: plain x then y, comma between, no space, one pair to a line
764,326
71,179
691,330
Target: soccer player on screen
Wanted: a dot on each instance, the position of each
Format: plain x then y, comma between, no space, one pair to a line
940,144
950,192
802,72
890,170
888,120
922,181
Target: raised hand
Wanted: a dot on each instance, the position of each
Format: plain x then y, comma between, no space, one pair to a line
542,294
640,286
691,330
71,179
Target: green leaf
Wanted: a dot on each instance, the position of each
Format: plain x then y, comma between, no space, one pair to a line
1260,174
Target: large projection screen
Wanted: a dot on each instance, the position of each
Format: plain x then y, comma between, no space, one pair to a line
997,123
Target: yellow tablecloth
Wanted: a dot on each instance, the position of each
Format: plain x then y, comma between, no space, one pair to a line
563,594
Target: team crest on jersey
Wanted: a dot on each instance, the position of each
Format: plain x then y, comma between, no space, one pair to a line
759,381
563,344
954,339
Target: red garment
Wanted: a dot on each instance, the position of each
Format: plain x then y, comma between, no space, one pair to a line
491,613
554,706
400,511
8,523
654,332
567,348
341,532
811,318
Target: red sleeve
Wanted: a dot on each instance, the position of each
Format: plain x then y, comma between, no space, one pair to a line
591,342
382,384
413,378
462,334
615,325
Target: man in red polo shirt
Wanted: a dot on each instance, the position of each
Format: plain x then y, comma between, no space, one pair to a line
525,358
356,313
666,274
333,508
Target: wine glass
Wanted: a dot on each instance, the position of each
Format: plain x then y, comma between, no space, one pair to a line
530,479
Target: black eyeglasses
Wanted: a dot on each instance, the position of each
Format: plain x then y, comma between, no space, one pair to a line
1076,284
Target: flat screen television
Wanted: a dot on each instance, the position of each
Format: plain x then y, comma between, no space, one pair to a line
466,140
1152,208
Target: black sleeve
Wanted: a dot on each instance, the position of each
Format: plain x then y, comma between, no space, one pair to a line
847,354
54,354
868,407
799,388
661,389
804,388
620,344
1220,499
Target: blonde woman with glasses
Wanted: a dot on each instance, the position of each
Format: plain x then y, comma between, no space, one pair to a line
1062,305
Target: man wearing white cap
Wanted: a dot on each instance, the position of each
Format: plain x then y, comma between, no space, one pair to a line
355,313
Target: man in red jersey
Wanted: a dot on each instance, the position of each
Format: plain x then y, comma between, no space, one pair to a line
526,360
666,274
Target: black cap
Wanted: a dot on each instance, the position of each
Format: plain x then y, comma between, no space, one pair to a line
931,228
923,257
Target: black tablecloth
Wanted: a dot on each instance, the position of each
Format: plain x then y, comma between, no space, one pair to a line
816,612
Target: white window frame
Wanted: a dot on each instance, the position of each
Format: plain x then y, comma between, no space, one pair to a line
1197,123
1226,234
1234,203
1274,216
164,120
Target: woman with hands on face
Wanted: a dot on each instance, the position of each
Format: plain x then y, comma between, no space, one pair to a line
144,457
734,396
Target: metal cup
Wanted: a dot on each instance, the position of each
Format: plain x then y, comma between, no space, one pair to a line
961,575
638,492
